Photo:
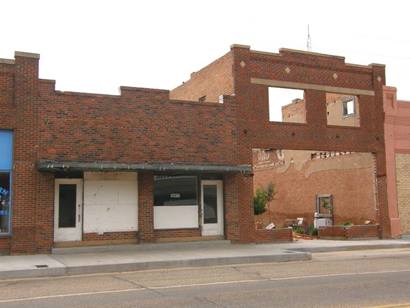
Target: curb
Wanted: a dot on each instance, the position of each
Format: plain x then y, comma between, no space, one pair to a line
351,248
287,256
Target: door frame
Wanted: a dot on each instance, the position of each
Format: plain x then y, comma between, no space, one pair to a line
69,234
218,228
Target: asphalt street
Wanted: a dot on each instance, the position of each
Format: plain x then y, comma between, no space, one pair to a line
342,279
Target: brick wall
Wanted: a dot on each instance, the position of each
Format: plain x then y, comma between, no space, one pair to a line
176,233
274,235
349,178
352,232
211,81
255,71
110,236
138,126
4,246
403,190
397,139
146,207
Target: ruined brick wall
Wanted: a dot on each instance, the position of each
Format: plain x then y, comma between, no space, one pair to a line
211,81
334,103
349,178
294,112
255,71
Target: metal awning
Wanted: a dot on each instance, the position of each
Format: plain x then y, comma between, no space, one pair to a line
60,166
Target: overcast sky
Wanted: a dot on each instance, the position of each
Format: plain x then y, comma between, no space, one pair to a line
96,46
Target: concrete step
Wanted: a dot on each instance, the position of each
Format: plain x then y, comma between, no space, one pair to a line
140,247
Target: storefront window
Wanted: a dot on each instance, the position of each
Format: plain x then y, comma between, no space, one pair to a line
175,190
6,155
4,202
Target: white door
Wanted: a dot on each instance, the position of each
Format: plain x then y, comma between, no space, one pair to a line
212,207
68,209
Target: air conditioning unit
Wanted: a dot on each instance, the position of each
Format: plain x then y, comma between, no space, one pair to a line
322,222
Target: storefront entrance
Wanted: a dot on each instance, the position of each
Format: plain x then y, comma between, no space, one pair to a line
68,209
212,207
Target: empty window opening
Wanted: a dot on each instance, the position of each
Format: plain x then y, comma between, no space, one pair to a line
287,105
348,107
342,110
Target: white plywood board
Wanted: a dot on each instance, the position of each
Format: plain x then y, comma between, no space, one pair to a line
110,202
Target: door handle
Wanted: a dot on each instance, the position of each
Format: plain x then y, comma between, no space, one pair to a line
79,218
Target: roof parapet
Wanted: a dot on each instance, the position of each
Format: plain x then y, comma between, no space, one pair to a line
240,46
311,53
6,61
26,54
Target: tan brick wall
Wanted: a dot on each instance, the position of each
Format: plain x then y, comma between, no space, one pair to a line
403,190
212,81
298,179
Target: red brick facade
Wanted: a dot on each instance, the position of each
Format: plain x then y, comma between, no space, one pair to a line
150,126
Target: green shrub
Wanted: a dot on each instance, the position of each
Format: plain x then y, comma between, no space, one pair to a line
259,201
298,229
262,197
311,230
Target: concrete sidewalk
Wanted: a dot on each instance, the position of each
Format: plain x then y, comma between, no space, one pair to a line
72,261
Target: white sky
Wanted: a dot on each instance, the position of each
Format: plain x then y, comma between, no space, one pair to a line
96,46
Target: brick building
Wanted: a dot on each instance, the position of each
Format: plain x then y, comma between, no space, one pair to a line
150,165
397,139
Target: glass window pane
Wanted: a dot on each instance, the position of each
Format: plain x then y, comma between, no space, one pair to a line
67,205
175,190
210,204
6,150
4,202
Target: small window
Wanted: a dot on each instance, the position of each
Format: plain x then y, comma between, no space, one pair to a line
175,190
348,107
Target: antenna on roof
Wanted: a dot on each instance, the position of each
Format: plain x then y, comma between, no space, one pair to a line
309,41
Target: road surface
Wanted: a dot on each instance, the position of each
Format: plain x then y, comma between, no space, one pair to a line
342,279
